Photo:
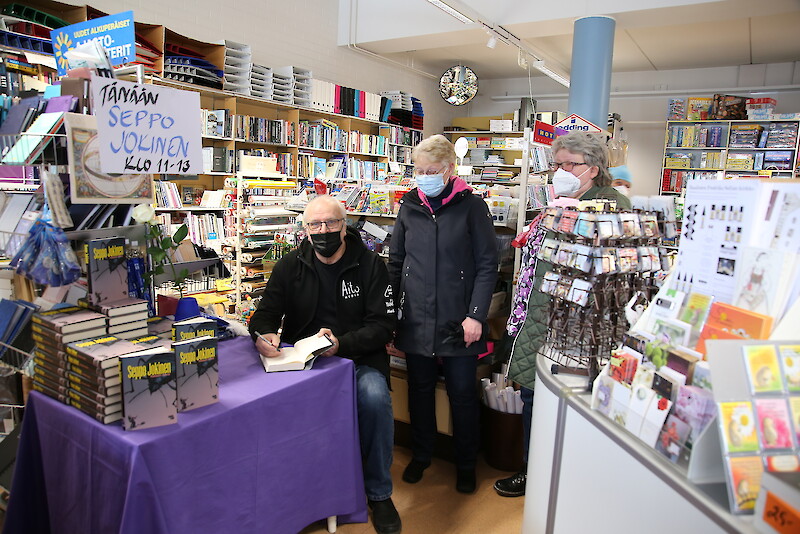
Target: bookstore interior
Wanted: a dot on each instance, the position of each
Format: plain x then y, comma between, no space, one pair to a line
150,182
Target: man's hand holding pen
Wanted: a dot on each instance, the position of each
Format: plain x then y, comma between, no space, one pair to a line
268,345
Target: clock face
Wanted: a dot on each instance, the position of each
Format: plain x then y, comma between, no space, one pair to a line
458,85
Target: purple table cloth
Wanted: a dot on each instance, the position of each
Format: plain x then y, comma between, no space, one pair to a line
278,452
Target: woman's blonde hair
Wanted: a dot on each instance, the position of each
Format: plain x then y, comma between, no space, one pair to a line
435,148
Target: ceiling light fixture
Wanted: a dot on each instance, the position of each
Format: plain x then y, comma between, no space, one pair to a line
540,66
492,42
452,12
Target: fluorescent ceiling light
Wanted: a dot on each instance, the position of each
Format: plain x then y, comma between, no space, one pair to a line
539,65
452,12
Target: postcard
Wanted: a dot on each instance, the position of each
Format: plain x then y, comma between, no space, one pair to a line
790,360
763,368
774,426
654,418
673,438
738,426
744,481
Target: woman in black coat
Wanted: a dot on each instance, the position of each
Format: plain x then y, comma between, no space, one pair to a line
443,268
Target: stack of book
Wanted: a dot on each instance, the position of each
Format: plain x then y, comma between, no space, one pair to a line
85,375
53,330
126,318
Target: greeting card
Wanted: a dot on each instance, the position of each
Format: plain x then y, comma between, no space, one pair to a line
641,397
790,361
782,463
673,438
601,394
744,481
696,407
657,412
794,410
738,426
774,427
763,368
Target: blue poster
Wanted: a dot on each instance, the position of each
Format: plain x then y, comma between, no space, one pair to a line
115,33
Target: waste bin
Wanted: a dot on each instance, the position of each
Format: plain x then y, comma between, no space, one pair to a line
502,439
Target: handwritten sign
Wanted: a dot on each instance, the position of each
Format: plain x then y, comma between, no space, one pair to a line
115,33
147,129
780,516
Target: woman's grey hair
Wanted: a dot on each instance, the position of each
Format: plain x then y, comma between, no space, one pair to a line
593,149
325,199
435,148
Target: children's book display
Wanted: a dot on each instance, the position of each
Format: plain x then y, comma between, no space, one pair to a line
596,262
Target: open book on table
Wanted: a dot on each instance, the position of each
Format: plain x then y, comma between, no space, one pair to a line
298,357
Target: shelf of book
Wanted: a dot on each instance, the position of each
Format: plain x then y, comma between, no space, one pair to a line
714,149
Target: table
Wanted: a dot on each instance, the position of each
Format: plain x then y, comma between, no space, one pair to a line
278,452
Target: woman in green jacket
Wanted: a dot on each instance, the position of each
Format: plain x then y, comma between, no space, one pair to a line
581,171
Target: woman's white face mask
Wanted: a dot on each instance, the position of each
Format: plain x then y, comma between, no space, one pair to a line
624,189
566,184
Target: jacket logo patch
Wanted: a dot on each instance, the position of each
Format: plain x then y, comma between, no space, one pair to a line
350,291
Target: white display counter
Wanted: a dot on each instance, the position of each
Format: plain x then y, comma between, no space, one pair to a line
587,474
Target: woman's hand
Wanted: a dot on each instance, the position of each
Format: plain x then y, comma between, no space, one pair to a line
331,351
472,330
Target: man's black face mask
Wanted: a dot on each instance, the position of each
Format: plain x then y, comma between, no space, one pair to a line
326,244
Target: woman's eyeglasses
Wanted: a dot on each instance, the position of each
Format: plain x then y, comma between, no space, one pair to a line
332,225
429,171
567,165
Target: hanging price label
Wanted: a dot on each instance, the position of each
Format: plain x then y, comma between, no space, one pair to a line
780,516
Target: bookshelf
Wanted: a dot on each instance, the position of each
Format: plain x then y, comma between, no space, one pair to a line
717,149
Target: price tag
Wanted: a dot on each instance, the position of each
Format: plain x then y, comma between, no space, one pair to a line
780,516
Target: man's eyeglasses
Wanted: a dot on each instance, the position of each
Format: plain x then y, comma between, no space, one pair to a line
332,225
429,171
567,165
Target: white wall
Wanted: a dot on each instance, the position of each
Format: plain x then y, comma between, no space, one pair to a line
641,99
302,33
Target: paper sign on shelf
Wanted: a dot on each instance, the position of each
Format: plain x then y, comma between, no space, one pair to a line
577,123
115,33
147,128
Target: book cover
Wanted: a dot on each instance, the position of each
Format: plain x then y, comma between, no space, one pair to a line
108,270
197,372
192,328
159,325
148,389
738,427
774,424
70,319
298,357
101,352
151,341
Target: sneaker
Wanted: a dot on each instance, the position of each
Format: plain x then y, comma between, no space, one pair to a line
513,486
465,481
413,471
385,518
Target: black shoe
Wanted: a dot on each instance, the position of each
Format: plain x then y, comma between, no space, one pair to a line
513,486
465,480
413,471
385,518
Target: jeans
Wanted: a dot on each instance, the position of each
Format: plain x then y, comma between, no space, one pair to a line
376,431
460,380
527,413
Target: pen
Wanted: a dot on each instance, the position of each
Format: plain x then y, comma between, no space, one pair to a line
267,341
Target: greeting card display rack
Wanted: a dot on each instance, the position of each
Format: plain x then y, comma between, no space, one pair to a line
596,262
